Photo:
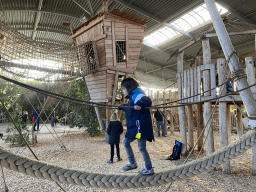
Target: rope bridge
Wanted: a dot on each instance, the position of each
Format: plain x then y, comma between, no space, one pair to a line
68,176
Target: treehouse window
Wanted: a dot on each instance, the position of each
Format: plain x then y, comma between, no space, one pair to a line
120,51
88,57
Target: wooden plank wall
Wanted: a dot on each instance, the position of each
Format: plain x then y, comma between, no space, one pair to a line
100,46
124,31
110,85
93,33
97,86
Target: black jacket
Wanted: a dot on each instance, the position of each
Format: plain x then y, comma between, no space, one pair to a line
159,115
115,128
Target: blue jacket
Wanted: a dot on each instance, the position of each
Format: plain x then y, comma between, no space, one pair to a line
36,114
138,119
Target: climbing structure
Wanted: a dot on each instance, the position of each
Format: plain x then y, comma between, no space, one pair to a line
108,48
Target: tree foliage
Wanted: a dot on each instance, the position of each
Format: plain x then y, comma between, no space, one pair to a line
13,135
9,93
82,115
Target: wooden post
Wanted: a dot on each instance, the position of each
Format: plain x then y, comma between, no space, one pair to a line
240,127
185,88
108,115
250,72
115,88
251,80
190,127
228,122
114,42
207,105
200,122
165,121
171,115
127,46
102,126
234,66
183,135
105,6
231,57
223,128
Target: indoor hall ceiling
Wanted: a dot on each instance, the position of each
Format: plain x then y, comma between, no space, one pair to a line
42,20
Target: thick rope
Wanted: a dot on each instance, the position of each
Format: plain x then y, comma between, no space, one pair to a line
62,175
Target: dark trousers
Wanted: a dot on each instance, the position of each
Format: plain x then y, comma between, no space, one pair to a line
36,124
112,146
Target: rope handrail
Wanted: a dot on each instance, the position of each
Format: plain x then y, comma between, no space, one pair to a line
80,101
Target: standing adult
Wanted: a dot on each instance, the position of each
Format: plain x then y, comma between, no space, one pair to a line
24,119
52,121
159,121
36,115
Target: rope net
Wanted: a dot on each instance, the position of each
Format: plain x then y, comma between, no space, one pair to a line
68,176
31,60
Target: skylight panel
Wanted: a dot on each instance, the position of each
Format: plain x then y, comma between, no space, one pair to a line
161,37
183,24
221,9
196,17
150,39
168,32
204,14
192,21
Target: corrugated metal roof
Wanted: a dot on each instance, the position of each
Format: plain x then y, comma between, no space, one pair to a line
21,15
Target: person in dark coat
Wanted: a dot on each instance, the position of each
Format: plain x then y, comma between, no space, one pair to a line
36,115
115,129
24,119
139,124
159,121
52,121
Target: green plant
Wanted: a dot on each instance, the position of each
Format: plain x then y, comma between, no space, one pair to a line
82,116
13,136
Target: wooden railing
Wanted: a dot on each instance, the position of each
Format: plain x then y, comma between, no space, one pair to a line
191,84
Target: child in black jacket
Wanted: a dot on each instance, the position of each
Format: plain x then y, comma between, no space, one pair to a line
115,128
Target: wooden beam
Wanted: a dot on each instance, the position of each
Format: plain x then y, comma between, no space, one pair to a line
115,88
181,109
223,128
232,33
207,105
114,42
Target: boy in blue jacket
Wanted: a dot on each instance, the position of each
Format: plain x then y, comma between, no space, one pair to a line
138,120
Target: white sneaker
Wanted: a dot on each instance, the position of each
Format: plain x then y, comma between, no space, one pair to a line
129,166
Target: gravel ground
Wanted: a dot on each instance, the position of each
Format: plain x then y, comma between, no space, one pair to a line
91,155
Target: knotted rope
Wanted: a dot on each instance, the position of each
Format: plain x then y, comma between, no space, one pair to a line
62,175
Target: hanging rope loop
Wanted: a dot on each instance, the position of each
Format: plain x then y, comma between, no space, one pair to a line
239,74
234,52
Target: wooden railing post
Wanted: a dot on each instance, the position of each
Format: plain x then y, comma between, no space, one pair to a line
207,105
183,135
223,126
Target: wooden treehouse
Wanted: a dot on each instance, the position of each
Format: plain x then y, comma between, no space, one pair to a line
108,48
